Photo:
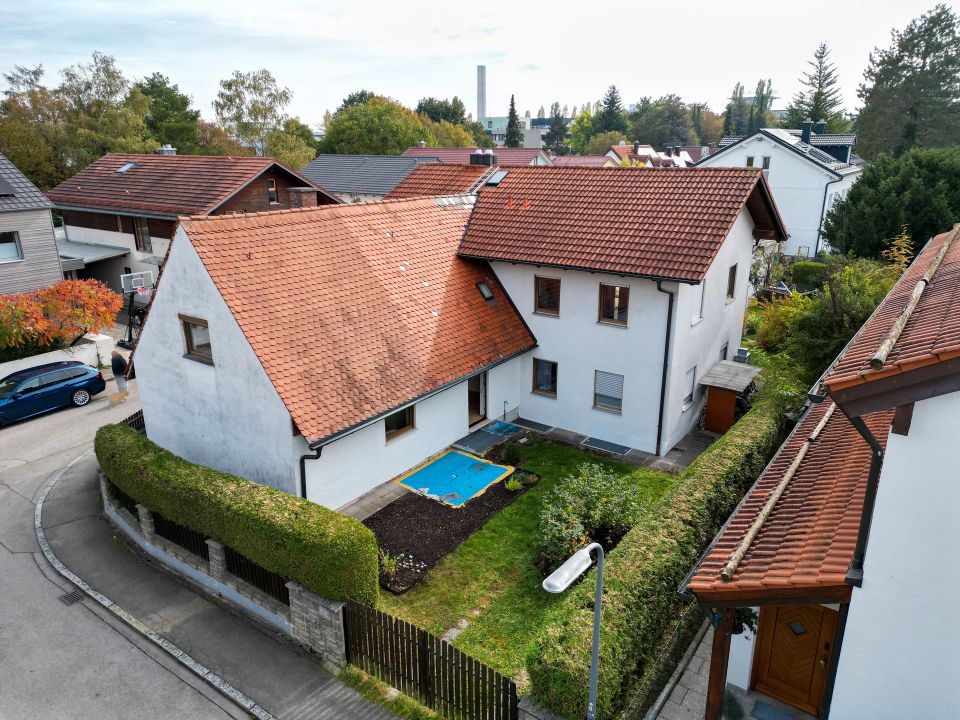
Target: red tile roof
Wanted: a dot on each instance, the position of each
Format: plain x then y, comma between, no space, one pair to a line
931,335
505,155
354,310
168,185
582,160
438,179
650,222
805,546
625,152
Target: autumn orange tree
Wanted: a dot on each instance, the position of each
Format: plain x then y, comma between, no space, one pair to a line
56,315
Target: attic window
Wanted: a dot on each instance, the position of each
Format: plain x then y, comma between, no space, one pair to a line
497,178
6,188
126,166
485,291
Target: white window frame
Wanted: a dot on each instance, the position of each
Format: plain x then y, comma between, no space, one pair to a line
607,378
698,314
272,192
690,398
16,244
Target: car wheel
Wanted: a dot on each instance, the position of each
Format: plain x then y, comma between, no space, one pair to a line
80,397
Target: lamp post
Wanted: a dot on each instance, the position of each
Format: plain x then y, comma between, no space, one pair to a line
562,578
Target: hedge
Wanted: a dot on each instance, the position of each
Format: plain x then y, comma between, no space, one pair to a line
643,573
327,552
808,275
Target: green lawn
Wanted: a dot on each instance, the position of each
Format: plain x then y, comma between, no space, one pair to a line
491,579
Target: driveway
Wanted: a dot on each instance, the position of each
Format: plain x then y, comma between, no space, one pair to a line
73,661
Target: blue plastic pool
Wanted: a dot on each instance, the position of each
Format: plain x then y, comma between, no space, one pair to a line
454,477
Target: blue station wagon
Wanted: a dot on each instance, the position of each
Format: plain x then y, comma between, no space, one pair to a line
40,389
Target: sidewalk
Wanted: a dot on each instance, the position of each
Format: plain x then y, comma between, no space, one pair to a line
282,679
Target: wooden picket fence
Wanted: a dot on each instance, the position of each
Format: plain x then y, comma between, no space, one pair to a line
426,668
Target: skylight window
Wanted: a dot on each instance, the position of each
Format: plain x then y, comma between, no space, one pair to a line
497,178
126,166
485,290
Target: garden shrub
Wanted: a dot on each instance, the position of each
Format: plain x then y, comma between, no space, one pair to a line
513,455
593,505
644,572
327,552
808,275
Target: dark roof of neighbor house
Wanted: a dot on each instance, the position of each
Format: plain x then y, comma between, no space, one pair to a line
697,152
792,142
361,174
18,193
357,310
165,185
582,160
822,140
651,222
440,179
505,156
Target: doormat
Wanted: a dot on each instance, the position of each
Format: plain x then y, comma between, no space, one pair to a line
762,711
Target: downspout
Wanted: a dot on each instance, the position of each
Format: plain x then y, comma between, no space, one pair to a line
823,207
303,469
666,359
855,573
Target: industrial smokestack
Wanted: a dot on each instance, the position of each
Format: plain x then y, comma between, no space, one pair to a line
481,91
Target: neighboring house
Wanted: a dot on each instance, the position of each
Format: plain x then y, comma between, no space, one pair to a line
532,129
339,354
443,179
634,282
120,212
806,177
508,157
646,156
28,250
584,161
352,342
847,542
360,178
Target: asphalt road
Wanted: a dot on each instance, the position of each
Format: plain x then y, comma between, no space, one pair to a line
77,661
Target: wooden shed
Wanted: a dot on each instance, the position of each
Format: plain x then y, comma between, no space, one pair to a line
724,381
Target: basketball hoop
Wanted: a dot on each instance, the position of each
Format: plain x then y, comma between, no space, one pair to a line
142,290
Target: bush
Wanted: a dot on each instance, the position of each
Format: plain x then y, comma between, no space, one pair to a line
808,275
644,571
329,553
513,455
594,505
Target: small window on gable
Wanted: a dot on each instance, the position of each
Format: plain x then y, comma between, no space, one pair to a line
485,291
196,336
608,391
732,282
546,295
691,386
545,377
749,160
398,423
10,249
272,191
766,162
614,303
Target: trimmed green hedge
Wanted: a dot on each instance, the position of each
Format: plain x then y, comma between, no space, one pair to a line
808,275
644,571
333,555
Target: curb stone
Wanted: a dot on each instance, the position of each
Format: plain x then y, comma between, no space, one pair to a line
175,652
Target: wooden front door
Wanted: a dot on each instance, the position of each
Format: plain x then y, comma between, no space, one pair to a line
794,647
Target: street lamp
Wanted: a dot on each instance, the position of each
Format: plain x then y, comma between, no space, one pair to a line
559,580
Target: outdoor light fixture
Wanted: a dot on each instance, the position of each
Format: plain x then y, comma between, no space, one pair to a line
562,578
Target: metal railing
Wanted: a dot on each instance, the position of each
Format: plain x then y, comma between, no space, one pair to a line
268,581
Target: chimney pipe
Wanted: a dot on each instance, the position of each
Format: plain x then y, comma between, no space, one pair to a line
421,143
167,149
805,131
636,147
821,127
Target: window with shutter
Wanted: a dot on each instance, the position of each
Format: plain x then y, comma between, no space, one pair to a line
691,387
608,391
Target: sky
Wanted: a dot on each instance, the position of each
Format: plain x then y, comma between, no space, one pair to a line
540,51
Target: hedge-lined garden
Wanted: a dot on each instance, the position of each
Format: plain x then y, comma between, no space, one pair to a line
643,573
327,552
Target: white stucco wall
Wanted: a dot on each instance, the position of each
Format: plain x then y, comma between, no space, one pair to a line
109,271
364,459
797,185
228,415
899,657
580,345
697,341
740,663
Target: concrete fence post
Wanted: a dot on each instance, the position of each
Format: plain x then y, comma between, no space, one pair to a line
218,560
317,623
146,523
104,491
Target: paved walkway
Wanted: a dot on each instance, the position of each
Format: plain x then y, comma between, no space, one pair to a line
284,680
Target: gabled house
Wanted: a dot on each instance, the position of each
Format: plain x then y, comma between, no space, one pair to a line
28,250
807,178
448,178
360,178
120,212
508,157
845,544
634,282
584,161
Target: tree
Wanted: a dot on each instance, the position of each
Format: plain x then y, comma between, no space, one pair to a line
514,132
250,105
910,93
600,143
170,119
736,117
31,127
452,111
214,140
919,190
611,116
556,135
293,144
581,130
378,127
705,124
447,134
760,107
479,135
820,97
359,97
573,114
541,113
663,122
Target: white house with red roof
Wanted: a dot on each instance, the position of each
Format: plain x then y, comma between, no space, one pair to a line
847,542
505,156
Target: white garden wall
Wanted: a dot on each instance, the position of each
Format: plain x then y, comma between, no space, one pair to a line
93,350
